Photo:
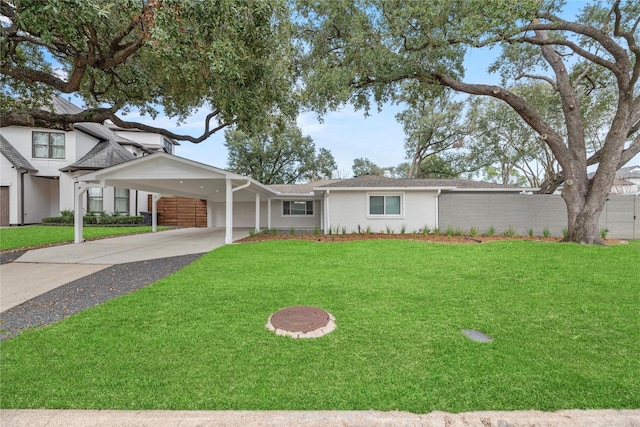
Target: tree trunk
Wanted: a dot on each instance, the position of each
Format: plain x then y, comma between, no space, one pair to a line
583,225
584,206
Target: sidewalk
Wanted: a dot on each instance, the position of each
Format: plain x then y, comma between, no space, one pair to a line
109,418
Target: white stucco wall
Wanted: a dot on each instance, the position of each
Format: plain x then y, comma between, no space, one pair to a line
244,215
349,209
299,222
41,198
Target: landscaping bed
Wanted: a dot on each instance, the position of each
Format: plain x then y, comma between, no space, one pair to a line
431,237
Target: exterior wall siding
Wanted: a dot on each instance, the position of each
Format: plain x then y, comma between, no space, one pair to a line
244,216
348,210
538,212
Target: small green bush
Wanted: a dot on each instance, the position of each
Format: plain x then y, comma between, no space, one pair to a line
491,231
603,233
509,232
565,232
473,232
546,232
90,219
530,232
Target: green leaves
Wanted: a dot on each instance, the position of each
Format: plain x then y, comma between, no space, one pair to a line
233,56
279,154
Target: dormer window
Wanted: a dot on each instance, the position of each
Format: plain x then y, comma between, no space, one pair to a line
168,146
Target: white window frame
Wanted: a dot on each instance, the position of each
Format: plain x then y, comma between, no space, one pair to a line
385,195
313,208
116,198
97,198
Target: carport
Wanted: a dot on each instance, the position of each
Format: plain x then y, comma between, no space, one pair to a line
166,174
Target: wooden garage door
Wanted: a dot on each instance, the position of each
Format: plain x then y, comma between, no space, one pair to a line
4,206
180,211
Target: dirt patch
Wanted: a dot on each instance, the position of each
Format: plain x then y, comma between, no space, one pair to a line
436,238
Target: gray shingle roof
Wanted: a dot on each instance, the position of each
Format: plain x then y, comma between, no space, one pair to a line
102,132
301,188
102,155
14,156
373,181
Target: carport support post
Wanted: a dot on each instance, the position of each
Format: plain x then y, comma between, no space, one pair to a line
154,212
228,232
269,214
257,212
209,213
80,189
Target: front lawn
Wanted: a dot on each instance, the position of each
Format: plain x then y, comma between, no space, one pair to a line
41,235
564,319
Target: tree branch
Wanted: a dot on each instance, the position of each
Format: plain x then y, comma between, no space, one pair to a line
552,138
41,118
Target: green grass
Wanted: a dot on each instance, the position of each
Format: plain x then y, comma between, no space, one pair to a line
37,235
564,318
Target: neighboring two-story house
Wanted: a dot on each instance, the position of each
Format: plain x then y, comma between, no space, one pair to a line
38,168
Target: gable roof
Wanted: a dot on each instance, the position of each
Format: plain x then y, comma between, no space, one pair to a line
15,158
373,181
103,155
170,174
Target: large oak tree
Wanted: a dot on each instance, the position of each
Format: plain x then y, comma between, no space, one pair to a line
278,155
230,58
363,50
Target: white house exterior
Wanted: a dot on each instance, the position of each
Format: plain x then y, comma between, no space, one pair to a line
38,168
387,205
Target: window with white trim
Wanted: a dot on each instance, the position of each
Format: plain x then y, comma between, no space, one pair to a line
297,207
47,145
121,200
385,205
94,200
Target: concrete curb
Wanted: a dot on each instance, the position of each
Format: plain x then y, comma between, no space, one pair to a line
157,418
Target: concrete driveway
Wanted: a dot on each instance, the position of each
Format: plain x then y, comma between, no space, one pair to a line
40,270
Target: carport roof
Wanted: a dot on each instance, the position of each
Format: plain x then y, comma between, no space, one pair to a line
169,174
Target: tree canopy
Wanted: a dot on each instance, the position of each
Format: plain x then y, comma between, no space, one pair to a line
363,166
231,58
364,51
278,156
434,134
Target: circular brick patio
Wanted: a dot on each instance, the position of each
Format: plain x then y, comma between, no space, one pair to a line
301,322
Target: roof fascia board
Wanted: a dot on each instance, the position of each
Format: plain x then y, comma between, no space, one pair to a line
383,188
494,190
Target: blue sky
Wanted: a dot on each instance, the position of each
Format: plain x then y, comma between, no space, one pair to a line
348,134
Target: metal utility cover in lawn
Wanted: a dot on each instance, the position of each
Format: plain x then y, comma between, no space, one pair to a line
476,336
301,322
